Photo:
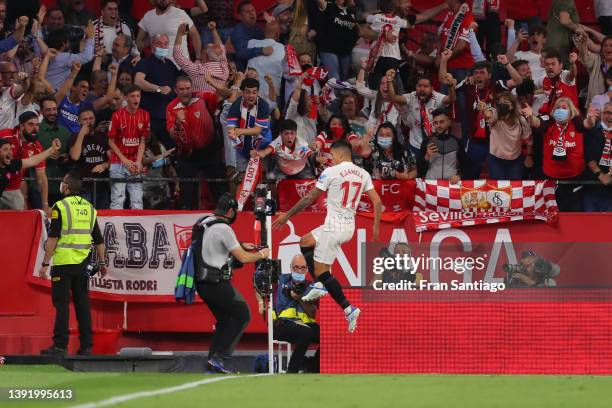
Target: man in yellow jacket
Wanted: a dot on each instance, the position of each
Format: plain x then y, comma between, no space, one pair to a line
73,227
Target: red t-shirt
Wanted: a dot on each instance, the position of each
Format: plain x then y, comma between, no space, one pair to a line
523,9
574,164
463,60
21,150
126,130
197,131
563,88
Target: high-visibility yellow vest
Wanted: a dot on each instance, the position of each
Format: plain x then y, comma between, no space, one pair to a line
78,219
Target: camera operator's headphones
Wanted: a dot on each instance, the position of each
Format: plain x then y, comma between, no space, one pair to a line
226,203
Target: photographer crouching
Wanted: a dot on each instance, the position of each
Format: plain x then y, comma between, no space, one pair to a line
219,254
295,319
531,271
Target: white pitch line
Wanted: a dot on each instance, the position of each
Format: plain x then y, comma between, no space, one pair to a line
143,394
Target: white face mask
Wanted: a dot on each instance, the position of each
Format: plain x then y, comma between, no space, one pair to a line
61,187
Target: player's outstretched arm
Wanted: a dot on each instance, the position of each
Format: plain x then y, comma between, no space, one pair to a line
299,206
375,198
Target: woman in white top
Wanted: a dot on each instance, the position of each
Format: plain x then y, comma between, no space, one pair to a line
303,109
382,108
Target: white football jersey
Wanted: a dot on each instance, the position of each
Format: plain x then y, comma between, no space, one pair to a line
344,184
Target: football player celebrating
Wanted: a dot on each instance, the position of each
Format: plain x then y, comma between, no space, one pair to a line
344,183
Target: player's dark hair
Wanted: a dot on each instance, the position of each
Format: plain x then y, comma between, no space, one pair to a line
342,145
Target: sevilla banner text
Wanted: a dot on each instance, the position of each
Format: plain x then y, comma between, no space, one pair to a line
440,204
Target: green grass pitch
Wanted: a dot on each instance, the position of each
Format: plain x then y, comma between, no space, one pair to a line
319,391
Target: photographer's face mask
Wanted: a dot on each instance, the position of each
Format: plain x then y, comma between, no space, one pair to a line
298,277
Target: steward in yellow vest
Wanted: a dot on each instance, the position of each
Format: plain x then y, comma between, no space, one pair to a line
73,228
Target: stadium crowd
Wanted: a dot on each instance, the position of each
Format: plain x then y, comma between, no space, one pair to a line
184,95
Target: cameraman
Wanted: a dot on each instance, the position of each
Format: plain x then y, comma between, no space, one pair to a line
213,271
295,319
531,271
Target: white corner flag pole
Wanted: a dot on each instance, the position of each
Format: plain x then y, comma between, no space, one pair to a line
271,298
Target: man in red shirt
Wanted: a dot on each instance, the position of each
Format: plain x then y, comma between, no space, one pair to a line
558,82
189,122
129,128
25,144
454,36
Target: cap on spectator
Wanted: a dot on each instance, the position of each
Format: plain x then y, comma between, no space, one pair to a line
280,9
25,116
226,203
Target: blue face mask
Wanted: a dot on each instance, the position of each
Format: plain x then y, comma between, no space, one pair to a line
161,53
610,88
385,142
561,115
158,163
298,277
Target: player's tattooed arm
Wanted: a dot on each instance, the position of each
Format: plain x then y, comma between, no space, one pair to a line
305,202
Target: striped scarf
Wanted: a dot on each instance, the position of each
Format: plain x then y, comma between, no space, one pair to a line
453,34
99,32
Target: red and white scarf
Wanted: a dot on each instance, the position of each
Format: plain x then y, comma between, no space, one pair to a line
99,32
252,176
425,122
293,61
453,34
377,47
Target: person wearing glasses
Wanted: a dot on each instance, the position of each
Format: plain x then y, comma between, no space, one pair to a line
294,319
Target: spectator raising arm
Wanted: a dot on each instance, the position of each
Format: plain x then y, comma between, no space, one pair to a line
430,13
196,42
23,83
35,160
517,79
65,88
77,147
100,103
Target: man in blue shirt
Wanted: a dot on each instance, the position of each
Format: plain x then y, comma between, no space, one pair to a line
61,61
248,122
155,76
294,319
71,97
244,31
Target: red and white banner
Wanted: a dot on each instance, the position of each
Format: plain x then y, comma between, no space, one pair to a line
397,196
144,255
438,204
